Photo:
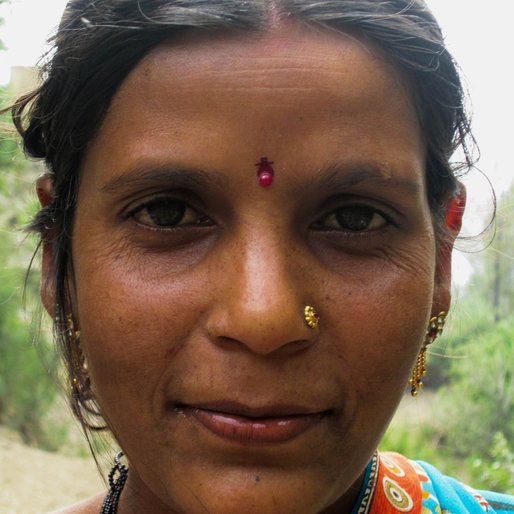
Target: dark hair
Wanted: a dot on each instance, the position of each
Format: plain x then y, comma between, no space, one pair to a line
99,42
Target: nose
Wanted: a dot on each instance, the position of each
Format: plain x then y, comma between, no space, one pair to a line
261,306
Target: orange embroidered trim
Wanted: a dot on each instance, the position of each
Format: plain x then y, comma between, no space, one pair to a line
398,488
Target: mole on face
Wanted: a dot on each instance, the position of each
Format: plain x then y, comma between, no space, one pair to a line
265,172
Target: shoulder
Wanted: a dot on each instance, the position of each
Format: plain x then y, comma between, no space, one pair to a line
89,506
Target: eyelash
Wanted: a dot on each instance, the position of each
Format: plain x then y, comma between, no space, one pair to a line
180,209
362,210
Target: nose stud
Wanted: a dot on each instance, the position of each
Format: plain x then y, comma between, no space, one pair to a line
311,317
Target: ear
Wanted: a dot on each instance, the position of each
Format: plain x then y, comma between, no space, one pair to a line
45,194
452,226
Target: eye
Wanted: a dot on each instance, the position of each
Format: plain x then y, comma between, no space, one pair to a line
168,213
353,218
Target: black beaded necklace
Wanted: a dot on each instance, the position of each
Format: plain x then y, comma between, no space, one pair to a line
117,478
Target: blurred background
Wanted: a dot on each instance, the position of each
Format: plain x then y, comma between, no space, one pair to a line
463,422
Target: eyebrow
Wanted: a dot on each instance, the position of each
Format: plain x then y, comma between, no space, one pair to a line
347,176
175,176
334,176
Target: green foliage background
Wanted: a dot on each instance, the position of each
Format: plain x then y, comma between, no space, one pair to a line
28,366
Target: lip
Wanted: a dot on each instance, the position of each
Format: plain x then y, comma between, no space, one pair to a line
253,426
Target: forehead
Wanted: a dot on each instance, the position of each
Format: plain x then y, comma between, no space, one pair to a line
288,87
291,59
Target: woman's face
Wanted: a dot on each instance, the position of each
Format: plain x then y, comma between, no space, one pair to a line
190,279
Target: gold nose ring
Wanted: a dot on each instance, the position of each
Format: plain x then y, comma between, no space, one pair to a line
311,317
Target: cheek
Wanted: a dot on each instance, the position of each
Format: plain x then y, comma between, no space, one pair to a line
379,325
379,312
131,327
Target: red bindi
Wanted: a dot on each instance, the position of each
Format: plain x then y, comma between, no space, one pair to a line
265,172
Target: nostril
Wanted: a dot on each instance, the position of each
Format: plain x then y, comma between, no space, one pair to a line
297,346
264,345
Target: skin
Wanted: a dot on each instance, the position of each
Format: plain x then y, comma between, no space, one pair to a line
212,310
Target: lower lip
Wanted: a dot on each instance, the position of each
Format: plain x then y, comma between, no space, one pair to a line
253,431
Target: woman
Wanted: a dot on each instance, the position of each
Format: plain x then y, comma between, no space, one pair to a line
247,225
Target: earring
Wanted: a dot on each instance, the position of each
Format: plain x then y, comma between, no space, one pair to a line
80,372
435,329
311,317
117,478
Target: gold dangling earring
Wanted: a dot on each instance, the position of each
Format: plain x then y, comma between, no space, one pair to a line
435,329
80,372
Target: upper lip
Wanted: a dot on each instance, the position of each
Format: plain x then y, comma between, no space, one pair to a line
239,409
